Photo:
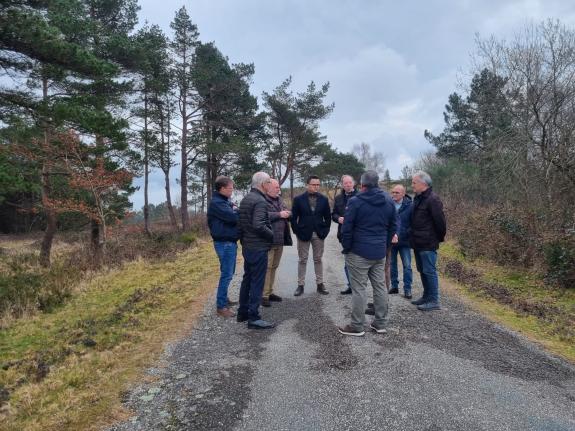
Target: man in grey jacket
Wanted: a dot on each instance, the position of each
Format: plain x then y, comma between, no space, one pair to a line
256,236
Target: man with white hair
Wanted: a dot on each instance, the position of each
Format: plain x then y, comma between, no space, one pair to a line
403,206
347,192
428,229
256,236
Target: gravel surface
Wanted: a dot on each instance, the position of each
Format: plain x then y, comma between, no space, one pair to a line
444,370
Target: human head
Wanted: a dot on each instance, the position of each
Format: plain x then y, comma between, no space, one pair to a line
397,193
369,180
313,184
261,181
347,183
224,186
420,182
274,189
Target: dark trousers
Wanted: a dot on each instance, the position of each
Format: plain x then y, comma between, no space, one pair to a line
255,267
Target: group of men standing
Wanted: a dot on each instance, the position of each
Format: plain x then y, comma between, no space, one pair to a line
373,229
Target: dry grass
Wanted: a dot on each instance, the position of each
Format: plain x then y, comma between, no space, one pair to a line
517,299
67,370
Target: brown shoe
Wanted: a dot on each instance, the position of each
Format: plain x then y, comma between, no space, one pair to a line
225,312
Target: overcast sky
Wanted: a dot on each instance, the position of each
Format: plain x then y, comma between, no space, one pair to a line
391,64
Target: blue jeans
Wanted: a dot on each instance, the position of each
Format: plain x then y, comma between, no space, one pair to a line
255,268
425,261
347,275
227,252
405,254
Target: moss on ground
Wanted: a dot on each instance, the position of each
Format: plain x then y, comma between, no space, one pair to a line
67,369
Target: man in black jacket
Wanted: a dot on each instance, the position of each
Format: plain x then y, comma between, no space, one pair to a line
223,220
347,192
311,220
256,236
428,228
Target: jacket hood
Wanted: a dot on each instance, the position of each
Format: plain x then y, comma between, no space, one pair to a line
375,197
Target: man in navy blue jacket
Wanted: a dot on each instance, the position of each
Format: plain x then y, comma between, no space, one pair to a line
223,220
368,229
403,206
311,220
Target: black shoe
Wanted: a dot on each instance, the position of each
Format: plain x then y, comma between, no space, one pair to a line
241,318
275,298
379,330
346,291
419,301
370,311
407,296
393,291
260,324
348,330
298,291
429,306
322,290
266,302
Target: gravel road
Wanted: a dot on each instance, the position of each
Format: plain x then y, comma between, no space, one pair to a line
444,370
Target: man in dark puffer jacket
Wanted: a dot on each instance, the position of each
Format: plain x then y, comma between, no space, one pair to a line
257,237
428,228
368,228
402,204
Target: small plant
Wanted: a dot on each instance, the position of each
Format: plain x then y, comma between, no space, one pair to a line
560,261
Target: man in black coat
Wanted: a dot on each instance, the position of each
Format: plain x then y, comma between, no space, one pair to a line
347,192
311,220
428,228
256,236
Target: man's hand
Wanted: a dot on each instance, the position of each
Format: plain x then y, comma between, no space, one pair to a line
285,214
395,239
340,220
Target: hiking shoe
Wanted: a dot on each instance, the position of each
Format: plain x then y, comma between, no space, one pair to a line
298,291
241,318
275,298
419,301
407,295
428,306
260,324
321,289
232,303
348,330
370,311
346,291
225,312
377,329
266,302
393,291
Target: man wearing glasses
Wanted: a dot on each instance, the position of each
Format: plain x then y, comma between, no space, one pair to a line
311,220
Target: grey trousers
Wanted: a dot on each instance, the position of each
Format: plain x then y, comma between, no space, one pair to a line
303,253
360,269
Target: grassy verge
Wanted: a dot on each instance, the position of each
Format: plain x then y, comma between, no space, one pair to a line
518,300
68,369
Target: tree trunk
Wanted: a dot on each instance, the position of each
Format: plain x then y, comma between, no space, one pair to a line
96,240
291,185
171,211
51,226
184,171
146,168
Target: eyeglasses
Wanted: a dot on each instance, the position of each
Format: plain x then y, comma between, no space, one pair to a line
315,185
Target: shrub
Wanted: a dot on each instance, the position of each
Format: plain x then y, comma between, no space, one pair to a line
560,262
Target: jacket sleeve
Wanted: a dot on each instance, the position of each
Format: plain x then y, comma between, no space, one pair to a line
259,220
223,211
335,215
438,217
295,214
347,227
392,227
327,215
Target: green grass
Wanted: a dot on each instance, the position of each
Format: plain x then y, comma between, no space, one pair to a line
67,369
544,313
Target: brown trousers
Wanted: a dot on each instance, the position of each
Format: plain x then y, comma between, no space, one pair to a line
303,253
274,256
